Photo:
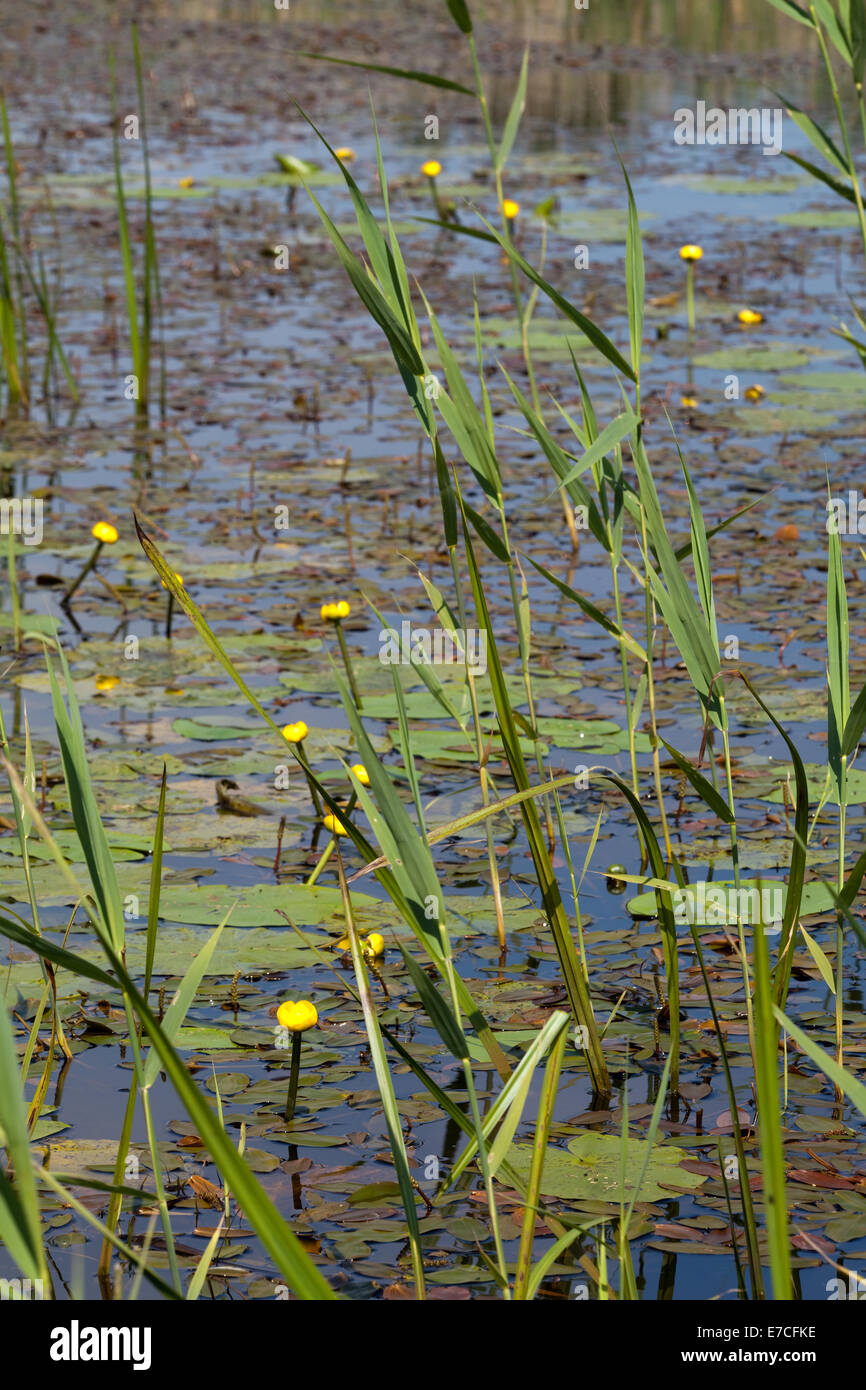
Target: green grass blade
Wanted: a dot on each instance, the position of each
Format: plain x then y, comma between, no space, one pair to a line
667,921
816,134
464,419
85,813
407,74
854,1089
700,555
704,789
546,1104
20,1224
838,650
179,1007
561,464
797,868
598,339
770,1119
573,976
592,612
512,1097
512,123
843,190
155,885
386,1087
634,274
196,1283
443,1020
610,436
400,341
460,14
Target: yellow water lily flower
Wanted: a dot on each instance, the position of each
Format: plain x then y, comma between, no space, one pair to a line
372,945
691,252
335,825
690,402
431,168
106,682
186,182
754,393
333,612
750,316
344,152
362,774
510,208
295,733
297,1017
104,532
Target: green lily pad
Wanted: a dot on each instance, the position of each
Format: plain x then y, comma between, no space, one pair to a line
837,383
744,357
92,1157
210,731
591,1167
712,183
203,1039
597,225
818,218
258,904
591,735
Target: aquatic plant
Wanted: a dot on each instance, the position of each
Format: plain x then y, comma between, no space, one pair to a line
606,478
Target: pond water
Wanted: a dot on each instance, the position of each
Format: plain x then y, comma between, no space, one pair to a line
281,399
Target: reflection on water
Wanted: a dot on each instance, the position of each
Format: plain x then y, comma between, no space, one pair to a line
736,26
613,62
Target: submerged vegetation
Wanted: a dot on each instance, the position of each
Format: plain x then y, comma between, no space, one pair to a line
548,1176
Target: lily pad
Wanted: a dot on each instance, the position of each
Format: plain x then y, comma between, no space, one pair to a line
592,1167
742,357
211,732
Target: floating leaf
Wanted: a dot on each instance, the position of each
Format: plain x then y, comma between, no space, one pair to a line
592,1167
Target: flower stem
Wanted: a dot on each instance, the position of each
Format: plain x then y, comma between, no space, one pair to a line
437,201
690,294
84,573
293,1076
